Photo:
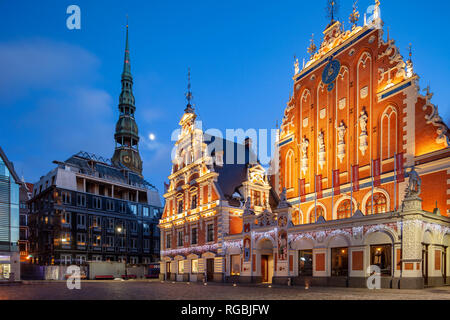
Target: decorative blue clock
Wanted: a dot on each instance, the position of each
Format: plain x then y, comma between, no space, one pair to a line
330,73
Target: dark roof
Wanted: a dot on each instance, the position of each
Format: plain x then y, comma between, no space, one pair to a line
93,165
232,175
10,166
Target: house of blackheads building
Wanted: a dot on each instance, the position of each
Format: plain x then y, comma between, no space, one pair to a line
93,209
362,190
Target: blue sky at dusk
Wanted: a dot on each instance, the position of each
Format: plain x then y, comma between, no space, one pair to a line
59,88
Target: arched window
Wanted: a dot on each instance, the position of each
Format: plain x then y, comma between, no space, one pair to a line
320,213
344,210
379,204
289,169
388,137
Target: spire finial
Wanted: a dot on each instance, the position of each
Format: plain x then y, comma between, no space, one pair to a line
332,10
126,64
312,47
409,63
189,95
354,16
410,51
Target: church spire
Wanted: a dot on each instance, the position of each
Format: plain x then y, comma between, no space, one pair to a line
127,135
126,63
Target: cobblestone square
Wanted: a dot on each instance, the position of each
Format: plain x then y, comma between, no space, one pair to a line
155,290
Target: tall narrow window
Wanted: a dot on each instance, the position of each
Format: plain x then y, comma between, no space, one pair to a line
194,201
388,141
194,235
289,169
210,233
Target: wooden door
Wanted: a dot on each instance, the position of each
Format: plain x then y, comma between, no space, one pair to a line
209,269
265,268
168,270
425,264
444,264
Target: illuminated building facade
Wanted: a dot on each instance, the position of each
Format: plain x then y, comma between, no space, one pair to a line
210,179
364,181
355,134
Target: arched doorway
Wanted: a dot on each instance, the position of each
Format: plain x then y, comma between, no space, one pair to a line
266,264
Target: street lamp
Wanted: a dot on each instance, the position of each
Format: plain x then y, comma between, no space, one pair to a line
119,230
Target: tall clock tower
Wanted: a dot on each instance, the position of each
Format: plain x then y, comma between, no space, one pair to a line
127,136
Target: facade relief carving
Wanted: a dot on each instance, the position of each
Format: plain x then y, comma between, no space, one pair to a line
363,136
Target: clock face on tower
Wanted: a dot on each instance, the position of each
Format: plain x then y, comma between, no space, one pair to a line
126,159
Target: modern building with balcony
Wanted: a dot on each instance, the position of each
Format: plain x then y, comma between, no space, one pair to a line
90,208
86,209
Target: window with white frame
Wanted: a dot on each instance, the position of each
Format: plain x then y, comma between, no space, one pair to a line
109,241
180,266
81,239
81,200
110,205
66,259
97,203
194,266
133,243
66,197
96,222
145,211
110,223
210,232
81,220
97,241
146,243
81,259
133,209
146,260
66,218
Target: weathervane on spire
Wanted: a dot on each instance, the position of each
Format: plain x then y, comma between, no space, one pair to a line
312,47
189,95
409,63
354,16
332,10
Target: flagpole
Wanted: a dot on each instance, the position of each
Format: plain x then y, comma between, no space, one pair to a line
351,189
371,170
332,191
395,182
315,198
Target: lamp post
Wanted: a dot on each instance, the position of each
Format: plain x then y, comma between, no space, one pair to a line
120,230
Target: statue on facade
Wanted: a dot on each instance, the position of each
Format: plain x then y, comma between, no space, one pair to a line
341,143
304,160
363,144
283,201
321,143
414,187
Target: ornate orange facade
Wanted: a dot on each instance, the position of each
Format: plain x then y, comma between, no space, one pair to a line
355,102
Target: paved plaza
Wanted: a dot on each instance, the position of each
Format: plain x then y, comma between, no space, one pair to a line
155,290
